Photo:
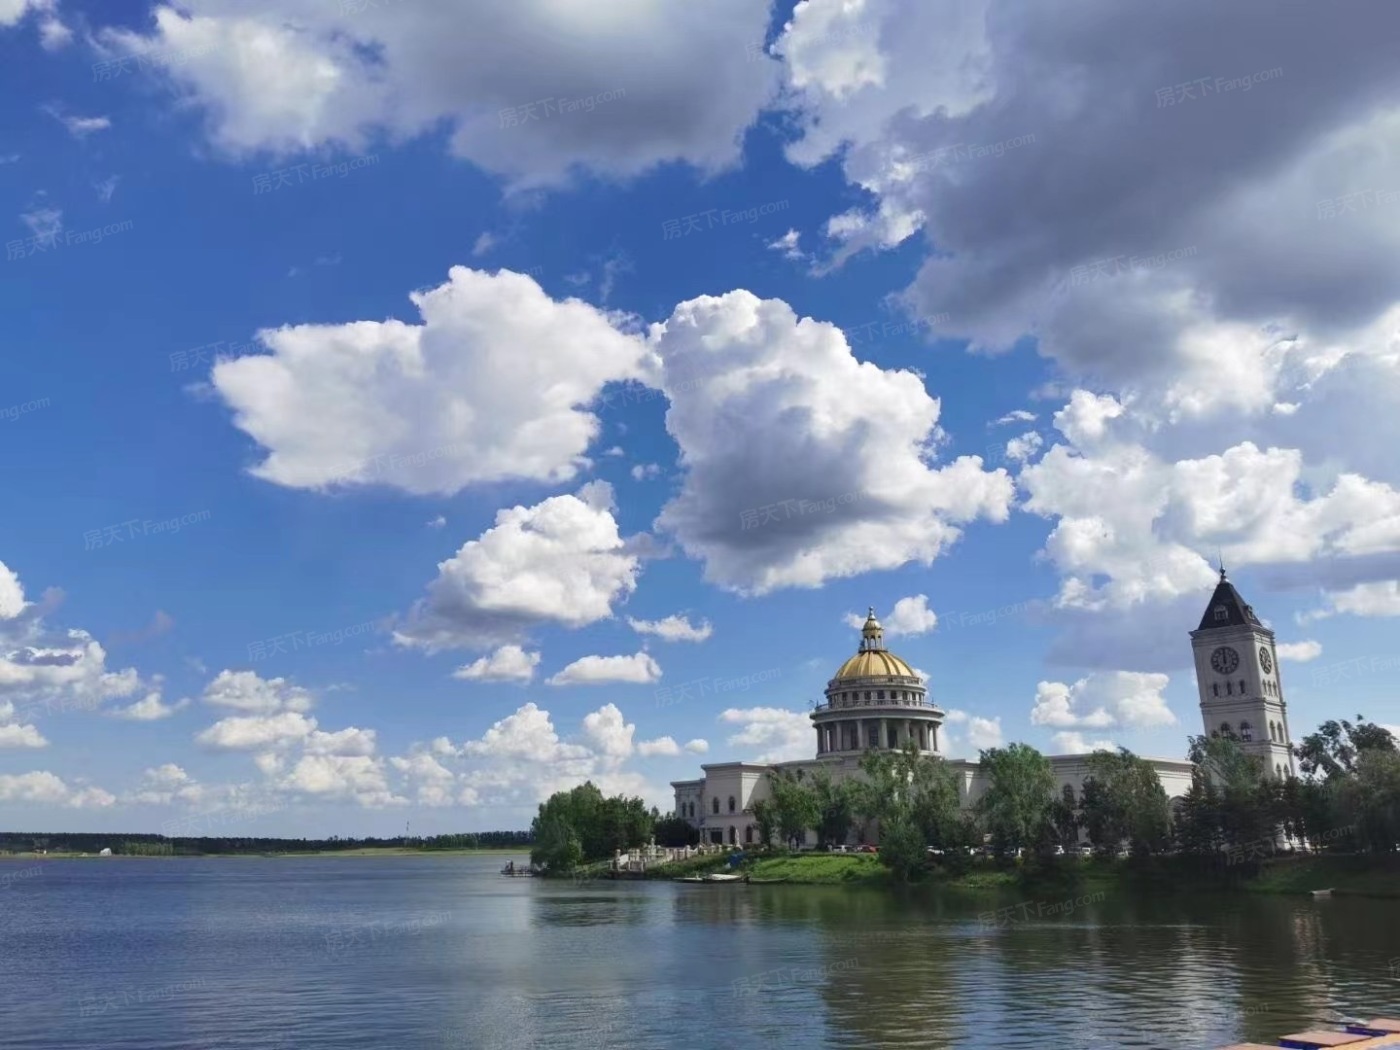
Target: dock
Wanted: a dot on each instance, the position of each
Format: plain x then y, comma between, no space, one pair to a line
1355,1035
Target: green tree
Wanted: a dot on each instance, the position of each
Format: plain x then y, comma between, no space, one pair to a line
902,848
794,805
600,825
675,831
1369,799
557,848
1124,801
1064,815
835,804
1016,807
1336,747
765,819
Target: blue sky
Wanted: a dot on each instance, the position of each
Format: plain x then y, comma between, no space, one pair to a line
947,288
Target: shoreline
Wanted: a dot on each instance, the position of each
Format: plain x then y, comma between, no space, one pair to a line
389,851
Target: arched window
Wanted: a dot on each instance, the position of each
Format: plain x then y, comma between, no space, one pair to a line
1246,731
714,805
731,803
1224,731
1229,689
1241,687
733,835
1215,688
748,834
880,695
867,694
1278,769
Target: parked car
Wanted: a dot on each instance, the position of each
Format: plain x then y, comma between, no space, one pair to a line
1084,851
1059,851
867,849
933,851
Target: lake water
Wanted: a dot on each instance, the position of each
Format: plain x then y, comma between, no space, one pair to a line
324,953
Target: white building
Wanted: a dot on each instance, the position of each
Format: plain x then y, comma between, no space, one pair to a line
876,700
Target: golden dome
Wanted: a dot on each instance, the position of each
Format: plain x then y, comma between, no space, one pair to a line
875,664
873,660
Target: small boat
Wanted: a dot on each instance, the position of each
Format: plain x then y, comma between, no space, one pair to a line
1322,893
691,878
764,882
512,872
717,877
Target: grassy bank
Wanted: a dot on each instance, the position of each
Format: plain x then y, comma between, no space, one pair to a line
1346,876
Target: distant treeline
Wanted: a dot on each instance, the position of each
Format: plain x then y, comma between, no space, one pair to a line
160,845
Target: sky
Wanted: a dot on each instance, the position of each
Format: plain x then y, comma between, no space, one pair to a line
408,410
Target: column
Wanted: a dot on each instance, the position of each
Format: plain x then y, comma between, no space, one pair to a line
821,739
909,730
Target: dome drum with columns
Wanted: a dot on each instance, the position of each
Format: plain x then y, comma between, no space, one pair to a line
876,700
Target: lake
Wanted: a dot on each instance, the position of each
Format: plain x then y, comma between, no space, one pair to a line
323,953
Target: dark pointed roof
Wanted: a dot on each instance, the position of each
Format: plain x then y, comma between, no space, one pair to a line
1237,613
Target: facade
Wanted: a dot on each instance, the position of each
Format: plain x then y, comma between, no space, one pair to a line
876,700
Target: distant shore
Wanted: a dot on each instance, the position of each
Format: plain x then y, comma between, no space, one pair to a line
373,851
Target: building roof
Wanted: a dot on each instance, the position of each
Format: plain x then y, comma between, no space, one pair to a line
873,660
1237,613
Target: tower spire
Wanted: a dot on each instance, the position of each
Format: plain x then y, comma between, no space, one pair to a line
1220,557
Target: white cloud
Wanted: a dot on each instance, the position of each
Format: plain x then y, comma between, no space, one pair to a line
41,665
776,734
47,788
348,742
437,523
627,90
964,734
1019,415
1381,598
484,242
1022,449
697,746
245,691
343,777
434,407
521,760
149,708
509,663
79,127
15,735
1073,743
1299,652
1132,699
637,669
45,224
165,784
11,593
645,471
664,745
773,411
789,244
257,732
54,35
909,616
560,561
676,628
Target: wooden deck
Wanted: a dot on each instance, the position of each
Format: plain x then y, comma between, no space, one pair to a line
1377,1032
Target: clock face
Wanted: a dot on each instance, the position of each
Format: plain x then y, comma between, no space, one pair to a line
1265,660
1224,660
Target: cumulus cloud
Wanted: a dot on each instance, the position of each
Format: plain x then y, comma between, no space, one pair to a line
150,708
41,665
1380,598
1299,652
45,788
1022,449
801,463
246,691
638,669
676,628
560,561
1069,742
909,616
1019,415
697,746
522,759
434,407
615,91
1132,699
78,127
645,471
663,745
15,735
965,734
777,735
509,663
165,784
257,732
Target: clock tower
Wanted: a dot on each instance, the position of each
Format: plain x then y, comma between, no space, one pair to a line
1237,675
